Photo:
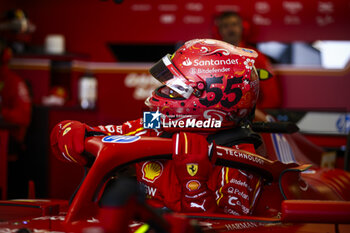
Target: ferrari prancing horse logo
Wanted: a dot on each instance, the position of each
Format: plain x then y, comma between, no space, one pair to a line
192,168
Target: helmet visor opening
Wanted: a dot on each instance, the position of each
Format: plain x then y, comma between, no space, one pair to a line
165,72
166,92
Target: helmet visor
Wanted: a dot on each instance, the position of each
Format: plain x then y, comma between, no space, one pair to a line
165,72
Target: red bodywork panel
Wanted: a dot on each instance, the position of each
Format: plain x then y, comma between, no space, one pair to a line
29,208
283,181
315,211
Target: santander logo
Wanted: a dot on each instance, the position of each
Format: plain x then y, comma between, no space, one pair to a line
210,62
187,62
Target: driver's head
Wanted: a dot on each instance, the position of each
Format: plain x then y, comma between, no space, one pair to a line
204,79
230,27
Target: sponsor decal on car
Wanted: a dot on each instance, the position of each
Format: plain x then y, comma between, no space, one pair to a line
242,225
150,191
120,139
151,171
243,155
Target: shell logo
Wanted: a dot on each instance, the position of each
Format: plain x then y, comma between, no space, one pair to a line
151,171
193,185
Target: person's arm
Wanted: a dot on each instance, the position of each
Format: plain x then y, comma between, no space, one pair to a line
68,137
193,169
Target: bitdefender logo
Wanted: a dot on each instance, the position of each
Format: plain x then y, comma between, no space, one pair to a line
153,120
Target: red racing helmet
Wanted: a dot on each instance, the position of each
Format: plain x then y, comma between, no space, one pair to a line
206,79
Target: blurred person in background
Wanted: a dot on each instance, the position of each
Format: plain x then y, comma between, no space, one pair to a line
232,29
15,100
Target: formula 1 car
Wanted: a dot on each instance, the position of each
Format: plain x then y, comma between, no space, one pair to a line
298,196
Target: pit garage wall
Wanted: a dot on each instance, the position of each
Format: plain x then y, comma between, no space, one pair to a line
316,89
89,25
